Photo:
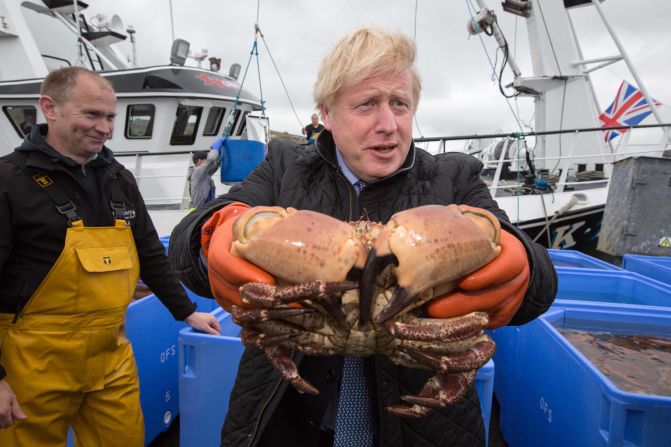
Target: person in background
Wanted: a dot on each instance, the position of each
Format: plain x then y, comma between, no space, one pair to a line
75,235
201,184
29,119
312,130
363,166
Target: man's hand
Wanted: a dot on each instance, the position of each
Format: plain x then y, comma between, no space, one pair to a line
204,322
497,288
10,410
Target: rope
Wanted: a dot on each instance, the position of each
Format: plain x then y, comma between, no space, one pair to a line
252,53
227,130
300,124
560,211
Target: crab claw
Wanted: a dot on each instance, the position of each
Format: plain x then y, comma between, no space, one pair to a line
297,246
375,264
433,246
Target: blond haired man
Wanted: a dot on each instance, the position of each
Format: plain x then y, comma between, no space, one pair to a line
364,165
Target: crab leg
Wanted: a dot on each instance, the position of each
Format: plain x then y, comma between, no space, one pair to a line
473,358
306,332
323,296
441,390
280,358
441,330
255,316
250,337
269,295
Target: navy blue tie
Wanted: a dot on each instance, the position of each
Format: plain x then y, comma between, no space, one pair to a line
354,421
359,186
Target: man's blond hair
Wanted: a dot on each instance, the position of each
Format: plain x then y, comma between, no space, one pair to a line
364,53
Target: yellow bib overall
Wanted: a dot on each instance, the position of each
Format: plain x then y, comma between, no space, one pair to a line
66,356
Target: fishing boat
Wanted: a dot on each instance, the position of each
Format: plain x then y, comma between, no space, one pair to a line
551,178
164,113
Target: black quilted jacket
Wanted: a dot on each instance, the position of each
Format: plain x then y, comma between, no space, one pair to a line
264,410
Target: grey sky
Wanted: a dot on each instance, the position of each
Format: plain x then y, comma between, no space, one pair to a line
459,95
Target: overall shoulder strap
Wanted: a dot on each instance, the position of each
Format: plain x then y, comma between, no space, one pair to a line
116,198
63,204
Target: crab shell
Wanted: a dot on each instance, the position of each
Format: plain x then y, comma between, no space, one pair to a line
432,247
306,246
436,244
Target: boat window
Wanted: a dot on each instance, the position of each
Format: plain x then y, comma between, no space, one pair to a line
213,121
140,120
232,122
186,124
23,118
243,124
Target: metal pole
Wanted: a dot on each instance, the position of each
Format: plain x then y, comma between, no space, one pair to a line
78,49
172,23
498,35
586,72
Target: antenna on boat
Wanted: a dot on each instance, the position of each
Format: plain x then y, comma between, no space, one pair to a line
172,23
78,32
131,32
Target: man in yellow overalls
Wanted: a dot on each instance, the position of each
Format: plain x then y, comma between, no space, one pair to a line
74,237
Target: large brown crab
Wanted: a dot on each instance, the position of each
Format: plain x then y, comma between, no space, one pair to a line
361,288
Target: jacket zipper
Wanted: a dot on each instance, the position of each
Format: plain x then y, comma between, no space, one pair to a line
350,190
255,432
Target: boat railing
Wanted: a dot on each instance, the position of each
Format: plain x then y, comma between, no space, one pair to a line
562,163
163,176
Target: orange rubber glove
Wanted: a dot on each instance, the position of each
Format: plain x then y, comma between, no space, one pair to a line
226,271
496,288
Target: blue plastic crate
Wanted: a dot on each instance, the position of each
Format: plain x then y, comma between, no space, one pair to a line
165,240
575,259
577,287
484,385
208,366
505,360
154,335
612,287
561,399
655,267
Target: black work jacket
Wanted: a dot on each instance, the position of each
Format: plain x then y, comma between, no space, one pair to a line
263,409
32,231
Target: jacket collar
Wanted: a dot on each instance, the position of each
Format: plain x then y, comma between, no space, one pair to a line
43,155
325,146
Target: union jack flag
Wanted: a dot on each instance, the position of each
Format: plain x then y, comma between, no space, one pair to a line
628,109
